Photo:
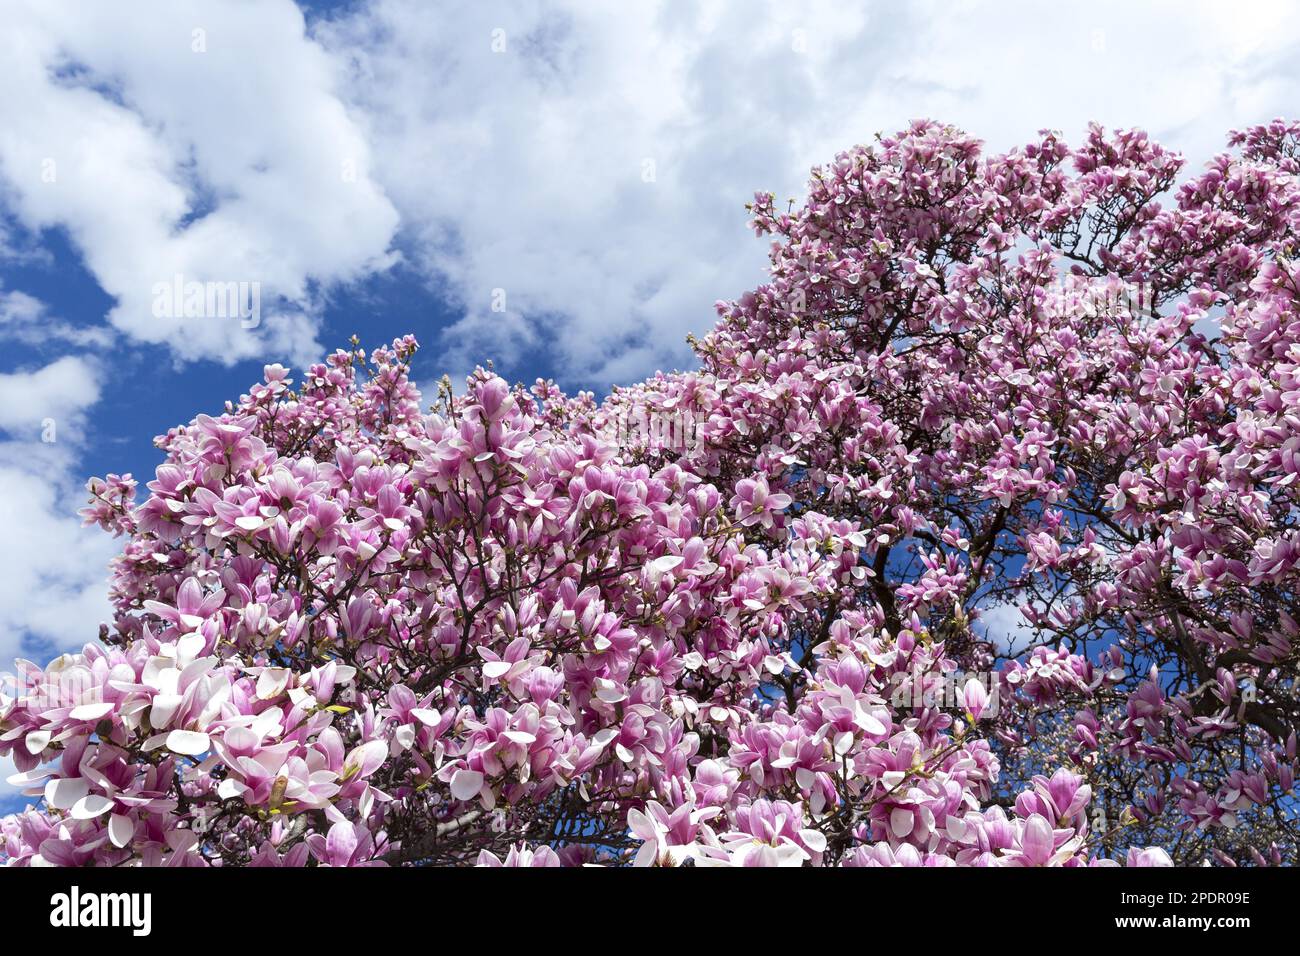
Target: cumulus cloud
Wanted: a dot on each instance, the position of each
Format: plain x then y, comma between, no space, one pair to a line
570,175
53,592
1002,625
569,172
190,139
54,595
26,320
591,161
58,393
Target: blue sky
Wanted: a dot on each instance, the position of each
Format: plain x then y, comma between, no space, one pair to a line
387,167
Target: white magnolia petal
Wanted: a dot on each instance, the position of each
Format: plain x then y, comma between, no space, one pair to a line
272,682
902,821
62,793
426,716
163,710
91,806
666,563
466,784
120,830
494,669
815,840
90,712
189,743
21,780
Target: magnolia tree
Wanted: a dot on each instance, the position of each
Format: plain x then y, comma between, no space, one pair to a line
973,540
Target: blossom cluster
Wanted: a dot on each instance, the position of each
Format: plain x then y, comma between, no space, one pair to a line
353,632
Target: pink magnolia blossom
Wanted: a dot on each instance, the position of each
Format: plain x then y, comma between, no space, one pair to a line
1061,380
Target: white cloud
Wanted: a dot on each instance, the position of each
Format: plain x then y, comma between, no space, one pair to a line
26,320
522,170
1002,625
58,393
53,594
19,308
198,139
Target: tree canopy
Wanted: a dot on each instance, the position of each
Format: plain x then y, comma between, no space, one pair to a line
972,540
